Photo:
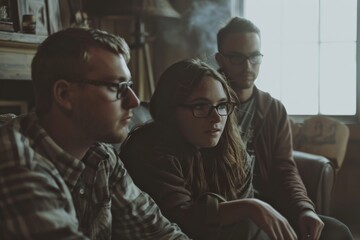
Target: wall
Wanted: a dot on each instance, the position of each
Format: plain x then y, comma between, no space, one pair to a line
170,39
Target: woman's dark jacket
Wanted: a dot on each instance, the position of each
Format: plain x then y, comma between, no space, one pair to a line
157,165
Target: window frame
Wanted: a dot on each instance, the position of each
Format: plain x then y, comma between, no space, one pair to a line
353,119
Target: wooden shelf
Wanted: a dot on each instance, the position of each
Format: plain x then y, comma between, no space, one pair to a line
20,40
16,53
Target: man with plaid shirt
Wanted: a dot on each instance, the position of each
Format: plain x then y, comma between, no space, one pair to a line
59,177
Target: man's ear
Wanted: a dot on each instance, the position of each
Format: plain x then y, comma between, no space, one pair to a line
219,59
62,94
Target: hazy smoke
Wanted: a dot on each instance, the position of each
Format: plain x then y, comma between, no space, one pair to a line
205,21
196,32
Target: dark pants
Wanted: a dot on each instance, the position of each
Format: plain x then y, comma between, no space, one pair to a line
248,230
244,230
334,229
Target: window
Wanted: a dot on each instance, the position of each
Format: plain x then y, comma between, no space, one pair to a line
309,49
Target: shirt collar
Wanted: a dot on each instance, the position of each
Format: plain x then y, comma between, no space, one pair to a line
69,167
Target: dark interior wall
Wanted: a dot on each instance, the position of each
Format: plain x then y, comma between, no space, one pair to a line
170,39
16,90
192,36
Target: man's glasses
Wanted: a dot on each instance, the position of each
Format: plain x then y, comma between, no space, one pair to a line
120,88
238,58
203,110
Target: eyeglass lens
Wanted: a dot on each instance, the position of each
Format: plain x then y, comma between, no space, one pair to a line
240,58
204,110
123,88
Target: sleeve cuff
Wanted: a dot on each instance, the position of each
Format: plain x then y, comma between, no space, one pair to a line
211,202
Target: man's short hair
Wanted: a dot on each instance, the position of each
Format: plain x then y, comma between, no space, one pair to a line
236,25
64,55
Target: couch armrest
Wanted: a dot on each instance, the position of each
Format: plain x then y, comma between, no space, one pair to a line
318,175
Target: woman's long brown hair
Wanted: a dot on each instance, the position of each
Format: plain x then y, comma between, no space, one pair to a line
219,169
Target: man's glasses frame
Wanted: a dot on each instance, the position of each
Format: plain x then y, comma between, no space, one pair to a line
121,87
203,110
238,58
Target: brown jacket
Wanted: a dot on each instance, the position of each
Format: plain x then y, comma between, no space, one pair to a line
278,180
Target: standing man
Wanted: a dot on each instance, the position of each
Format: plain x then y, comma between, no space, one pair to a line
264,127
57,179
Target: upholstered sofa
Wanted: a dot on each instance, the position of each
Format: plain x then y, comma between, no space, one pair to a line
317,172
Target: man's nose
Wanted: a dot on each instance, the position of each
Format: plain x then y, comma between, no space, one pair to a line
130,100
248,64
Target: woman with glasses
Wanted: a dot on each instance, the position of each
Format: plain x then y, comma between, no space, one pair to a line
191,160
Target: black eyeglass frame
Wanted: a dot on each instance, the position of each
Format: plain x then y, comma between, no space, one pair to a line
230,106
242,58
121,87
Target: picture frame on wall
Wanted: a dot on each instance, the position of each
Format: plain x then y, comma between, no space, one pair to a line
37,8
54,16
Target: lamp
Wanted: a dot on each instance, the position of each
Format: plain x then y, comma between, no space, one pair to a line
141,9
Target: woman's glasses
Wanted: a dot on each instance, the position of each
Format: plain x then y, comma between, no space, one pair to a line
203,110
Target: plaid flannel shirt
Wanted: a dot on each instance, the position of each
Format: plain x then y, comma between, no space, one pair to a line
45,193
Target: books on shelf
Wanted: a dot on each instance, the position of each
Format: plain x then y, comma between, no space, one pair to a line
7,26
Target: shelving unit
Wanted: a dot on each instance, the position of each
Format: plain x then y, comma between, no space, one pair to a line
20,40
16,53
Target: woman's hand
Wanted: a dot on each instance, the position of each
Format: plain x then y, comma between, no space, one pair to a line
269,220
262,214
310,225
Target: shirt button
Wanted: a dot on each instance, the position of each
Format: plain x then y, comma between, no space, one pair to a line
81,191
